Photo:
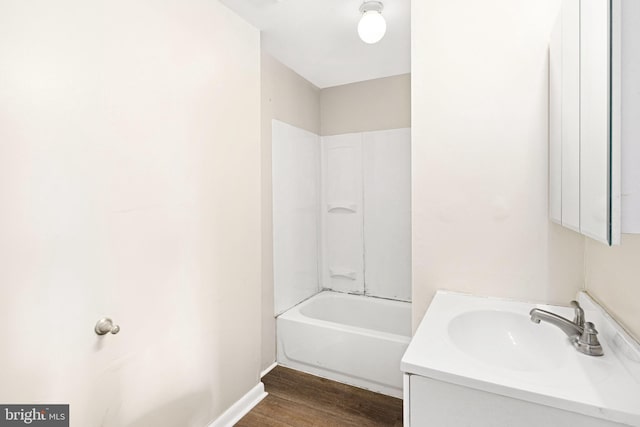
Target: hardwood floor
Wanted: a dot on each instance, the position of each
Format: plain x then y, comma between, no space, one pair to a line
297,399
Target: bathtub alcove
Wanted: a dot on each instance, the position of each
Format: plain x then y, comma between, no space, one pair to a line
342,254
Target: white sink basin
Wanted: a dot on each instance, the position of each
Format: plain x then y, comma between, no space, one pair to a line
508,340
472,344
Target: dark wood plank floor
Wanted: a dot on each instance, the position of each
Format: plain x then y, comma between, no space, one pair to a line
297,399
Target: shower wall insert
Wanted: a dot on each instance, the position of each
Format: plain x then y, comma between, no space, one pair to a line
341,222
341,214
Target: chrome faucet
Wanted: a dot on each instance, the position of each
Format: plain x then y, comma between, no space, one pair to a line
583,335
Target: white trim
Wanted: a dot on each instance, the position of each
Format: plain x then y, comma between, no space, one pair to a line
406,400
354,381
616,121
269,369
241,407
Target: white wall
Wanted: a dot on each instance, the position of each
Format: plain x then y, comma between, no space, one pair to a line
287,97
479,154
296,182
130,187
387,213
341,209
365,210
363,201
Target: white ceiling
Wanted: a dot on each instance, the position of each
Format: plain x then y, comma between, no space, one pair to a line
318,39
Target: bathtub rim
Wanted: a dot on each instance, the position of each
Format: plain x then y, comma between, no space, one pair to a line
295,314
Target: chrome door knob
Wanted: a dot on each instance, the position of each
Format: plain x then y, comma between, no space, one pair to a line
105,326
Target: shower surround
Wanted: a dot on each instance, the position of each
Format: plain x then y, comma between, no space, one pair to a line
341,221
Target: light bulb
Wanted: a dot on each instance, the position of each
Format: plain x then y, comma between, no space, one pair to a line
372,26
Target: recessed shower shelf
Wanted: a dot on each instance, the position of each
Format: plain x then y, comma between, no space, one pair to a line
343,274
342,207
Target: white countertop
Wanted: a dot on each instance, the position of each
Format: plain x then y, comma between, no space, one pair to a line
606,387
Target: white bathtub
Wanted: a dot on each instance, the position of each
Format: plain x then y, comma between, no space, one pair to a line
352,339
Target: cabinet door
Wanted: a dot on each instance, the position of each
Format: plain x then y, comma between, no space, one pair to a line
555,123
571,114
564,117
626,79
437,403
595,135
584,119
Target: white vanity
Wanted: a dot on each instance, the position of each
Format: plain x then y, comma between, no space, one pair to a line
477,361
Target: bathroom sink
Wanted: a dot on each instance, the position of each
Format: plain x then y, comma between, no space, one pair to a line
475,350
508,340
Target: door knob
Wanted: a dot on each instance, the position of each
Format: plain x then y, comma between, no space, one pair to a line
105,325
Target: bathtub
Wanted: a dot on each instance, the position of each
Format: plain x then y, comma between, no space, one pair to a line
356,340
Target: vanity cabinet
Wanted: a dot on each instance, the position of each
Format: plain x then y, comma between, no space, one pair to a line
594,105
437,403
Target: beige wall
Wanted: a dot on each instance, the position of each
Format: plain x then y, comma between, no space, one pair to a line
289,98
613,278
130,187
479,154
366,106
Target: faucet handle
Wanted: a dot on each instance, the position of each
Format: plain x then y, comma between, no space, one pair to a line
588,342
579,313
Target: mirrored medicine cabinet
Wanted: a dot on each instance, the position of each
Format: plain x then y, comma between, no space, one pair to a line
594,84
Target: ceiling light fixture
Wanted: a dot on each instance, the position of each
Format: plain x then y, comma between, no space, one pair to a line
372,25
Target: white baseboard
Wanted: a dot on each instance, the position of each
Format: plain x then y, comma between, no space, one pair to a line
241,407
269,369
